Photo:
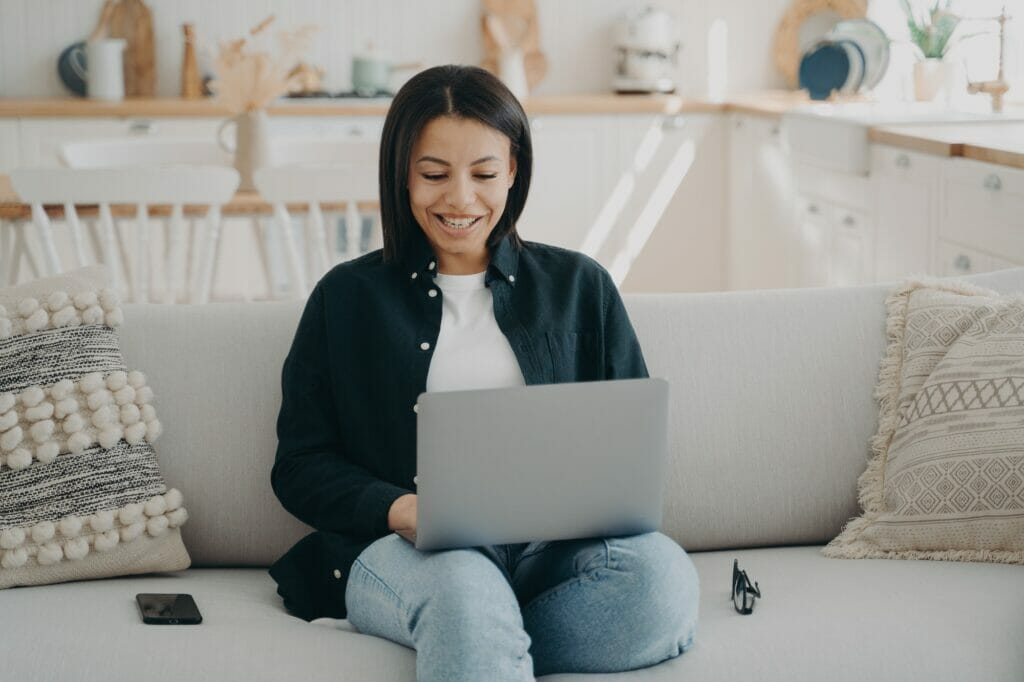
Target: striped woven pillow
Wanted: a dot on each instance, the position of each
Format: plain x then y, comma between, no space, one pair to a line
81,494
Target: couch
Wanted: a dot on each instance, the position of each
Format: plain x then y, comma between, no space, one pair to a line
771,414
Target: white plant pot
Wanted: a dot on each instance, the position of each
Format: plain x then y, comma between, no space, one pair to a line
933,80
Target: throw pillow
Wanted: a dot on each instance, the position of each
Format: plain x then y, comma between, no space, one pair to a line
946,477
81,495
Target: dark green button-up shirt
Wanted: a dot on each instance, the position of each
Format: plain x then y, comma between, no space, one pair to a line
347,426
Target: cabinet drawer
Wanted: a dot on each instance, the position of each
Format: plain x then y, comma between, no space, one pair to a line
955,260
840,188
984,207
894,162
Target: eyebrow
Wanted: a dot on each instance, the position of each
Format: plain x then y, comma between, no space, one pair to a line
445,163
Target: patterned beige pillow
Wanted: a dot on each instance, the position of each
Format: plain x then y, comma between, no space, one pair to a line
946,479
81,494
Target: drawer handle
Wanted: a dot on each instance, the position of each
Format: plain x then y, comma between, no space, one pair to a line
993,183
141,127
903,161
962,262
849,221
775,131
355,131
813,208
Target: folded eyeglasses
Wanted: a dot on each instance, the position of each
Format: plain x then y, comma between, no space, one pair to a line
743,593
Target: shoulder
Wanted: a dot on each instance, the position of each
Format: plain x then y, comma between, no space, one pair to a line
368,268
558,261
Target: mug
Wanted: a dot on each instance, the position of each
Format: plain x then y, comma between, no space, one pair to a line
369,75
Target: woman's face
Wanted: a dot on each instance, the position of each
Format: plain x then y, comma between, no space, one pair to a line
459,177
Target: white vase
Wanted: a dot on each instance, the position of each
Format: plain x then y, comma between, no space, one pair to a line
252,144
933,80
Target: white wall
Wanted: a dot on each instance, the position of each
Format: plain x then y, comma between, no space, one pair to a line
575,34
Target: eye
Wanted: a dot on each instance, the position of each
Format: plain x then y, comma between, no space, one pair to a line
487,177
434,176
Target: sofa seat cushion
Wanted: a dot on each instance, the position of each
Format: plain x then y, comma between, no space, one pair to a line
819,619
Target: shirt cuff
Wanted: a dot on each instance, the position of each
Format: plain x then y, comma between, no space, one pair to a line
377,501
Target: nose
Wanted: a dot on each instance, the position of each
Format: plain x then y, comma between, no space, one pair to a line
460,193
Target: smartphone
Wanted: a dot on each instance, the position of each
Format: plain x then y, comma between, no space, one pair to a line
168,609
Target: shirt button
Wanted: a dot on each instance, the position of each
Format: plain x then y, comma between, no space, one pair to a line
424,346
432,293
416,480
337,574
430,266
511,278
416,408
413,275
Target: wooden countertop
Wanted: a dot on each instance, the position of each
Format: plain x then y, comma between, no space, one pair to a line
175,106
1000,142
767,103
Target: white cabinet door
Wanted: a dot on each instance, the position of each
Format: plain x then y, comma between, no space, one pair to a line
983,207
41,138
815,250
762,239
848,262
569,153
905,187
10,154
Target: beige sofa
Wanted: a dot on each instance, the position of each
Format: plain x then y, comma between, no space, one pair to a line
770,421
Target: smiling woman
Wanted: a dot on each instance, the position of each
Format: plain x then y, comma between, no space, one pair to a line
456,199
457,301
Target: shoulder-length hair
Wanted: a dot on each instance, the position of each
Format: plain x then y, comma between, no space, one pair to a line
451,90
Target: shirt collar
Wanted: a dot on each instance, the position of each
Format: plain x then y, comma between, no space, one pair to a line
504,263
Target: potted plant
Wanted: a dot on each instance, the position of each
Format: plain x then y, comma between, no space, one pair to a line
933,34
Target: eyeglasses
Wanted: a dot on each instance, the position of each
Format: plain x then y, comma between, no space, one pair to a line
743,595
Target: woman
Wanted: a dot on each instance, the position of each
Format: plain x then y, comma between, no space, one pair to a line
455,300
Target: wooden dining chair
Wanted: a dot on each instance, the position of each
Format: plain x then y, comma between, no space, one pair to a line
175,192
323,176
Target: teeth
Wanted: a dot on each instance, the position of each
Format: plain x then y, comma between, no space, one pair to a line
458,224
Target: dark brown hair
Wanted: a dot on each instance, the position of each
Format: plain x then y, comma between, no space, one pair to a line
451,90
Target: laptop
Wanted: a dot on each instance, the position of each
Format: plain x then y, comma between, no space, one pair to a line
541,462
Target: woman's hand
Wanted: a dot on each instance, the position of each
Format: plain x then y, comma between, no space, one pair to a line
402,517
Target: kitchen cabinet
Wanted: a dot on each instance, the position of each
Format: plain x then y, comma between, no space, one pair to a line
41,138
10,155
640,193
905,186
982,210
836,228
762,234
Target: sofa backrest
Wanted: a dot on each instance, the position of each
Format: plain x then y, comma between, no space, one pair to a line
771,412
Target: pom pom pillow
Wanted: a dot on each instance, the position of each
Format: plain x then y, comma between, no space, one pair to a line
81,495
946,478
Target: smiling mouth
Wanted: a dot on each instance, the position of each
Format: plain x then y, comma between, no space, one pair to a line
460,224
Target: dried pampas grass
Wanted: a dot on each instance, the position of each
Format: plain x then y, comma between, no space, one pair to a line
249,77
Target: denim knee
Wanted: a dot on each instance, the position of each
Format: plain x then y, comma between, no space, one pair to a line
662,578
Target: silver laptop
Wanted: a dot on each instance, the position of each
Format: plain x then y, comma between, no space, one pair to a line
544,462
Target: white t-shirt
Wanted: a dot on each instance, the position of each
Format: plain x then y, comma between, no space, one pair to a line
471,351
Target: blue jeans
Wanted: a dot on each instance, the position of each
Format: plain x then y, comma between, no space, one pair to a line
510,612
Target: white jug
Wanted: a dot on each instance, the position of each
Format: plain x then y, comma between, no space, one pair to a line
104,77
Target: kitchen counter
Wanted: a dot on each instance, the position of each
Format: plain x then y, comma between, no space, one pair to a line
176,106
766,103
992,142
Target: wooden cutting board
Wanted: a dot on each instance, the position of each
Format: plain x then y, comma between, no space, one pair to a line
133,21
520,10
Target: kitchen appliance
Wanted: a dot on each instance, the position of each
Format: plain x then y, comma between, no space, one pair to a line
648,49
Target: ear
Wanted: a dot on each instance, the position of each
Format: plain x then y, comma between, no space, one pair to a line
511,171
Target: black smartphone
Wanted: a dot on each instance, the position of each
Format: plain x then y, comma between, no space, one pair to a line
168,609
